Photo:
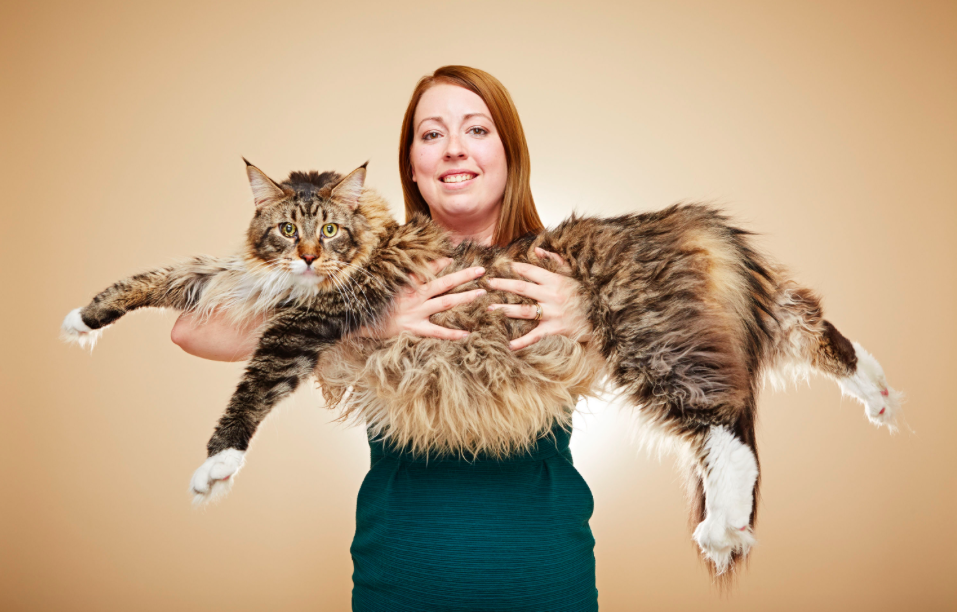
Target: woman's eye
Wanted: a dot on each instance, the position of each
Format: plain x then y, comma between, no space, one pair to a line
287,229
478,131
430,135
330,229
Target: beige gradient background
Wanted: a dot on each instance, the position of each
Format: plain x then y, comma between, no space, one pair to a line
830,128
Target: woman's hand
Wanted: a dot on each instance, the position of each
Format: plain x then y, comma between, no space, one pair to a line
415,304
559,297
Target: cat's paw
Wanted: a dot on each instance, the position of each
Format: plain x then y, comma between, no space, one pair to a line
718,539
214,478
869,386
75,330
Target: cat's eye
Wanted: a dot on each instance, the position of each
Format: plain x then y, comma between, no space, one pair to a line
330,229
287,229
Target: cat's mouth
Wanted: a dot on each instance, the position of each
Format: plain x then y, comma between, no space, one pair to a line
305,273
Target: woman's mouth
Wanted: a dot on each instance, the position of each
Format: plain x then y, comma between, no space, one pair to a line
458,177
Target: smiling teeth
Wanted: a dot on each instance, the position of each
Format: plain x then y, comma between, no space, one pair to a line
457,178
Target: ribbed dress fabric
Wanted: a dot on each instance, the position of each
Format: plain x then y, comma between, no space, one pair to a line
483,535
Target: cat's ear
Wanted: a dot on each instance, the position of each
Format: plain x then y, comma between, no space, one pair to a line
265,190
350,188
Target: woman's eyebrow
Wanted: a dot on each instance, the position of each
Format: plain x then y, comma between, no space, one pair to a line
438,119
464,118
470,115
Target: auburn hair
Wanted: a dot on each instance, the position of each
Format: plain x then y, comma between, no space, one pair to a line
517,216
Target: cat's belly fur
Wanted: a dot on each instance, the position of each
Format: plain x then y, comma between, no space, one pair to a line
463,397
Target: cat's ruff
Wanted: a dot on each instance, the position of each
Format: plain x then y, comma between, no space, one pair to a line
687,319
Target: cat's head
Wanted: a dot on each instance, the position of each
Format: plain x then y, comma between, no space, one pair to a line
314,229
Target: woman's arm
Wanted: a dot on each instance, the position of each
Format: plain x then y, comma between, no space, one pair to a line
218,339
559,296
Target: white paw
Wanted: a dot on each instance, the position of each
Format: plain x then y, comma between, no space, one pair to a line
718,539
75,330
869,386
214,478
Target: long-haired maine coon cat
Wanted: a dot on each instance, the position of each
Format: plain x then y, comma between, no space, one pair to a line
687,318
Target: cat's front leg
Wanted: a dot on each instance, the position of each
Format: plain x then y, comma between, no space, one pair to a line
214,479
179,286
286,356
85,324
729,471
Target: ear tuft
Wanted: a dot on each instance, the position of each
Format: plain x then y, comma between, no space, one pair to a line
265,190
350,188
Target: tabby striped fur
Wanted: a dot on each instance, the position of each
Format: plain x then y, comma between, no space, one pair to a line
687,319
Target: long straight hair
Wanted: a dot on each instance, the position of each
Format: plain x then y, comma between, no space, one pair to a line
517,216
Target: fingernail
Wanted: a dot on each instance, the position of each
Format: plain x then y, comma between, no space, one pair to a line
480,292
479,271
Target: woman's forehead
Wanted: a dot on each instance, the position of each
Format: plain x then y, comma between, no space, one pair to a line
445,102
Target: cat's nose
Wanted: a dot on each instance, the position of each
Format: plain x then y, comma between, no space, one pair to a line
308,259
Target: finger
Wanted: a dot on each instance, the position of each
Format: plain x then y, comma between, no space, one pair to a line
443,284
527,340
517,311
555,257
451,300
535,273
529,290
431,330
437,265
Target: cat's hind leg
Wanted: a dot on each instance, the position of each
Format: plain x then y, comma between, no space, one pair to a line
728,472
869,386
809,341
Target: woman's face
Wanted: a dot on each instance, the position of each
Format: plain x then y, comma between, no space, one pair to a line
458,161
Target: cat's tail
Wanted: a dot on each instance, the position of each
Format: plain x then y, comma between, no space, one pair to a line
807,342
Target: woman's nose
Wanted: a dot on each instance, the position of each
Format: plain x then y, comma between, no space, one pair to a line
455,148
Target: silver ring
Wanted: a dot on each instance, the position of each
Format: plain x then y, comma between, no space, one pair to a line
538,312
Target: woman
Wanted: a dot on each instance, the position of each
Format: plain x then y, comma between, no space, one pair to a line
448,534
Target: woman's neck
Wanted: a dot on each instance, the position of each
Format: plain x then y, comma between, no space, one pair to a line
479,232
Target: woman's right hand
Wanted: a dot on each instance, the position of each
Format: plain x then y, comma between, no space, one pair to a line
416,303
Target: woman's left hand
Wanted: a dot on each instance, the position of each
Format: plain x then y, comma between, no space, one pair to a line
559,297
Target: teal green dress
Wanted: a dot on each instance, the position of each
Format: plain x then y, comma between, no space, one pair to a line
504,535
